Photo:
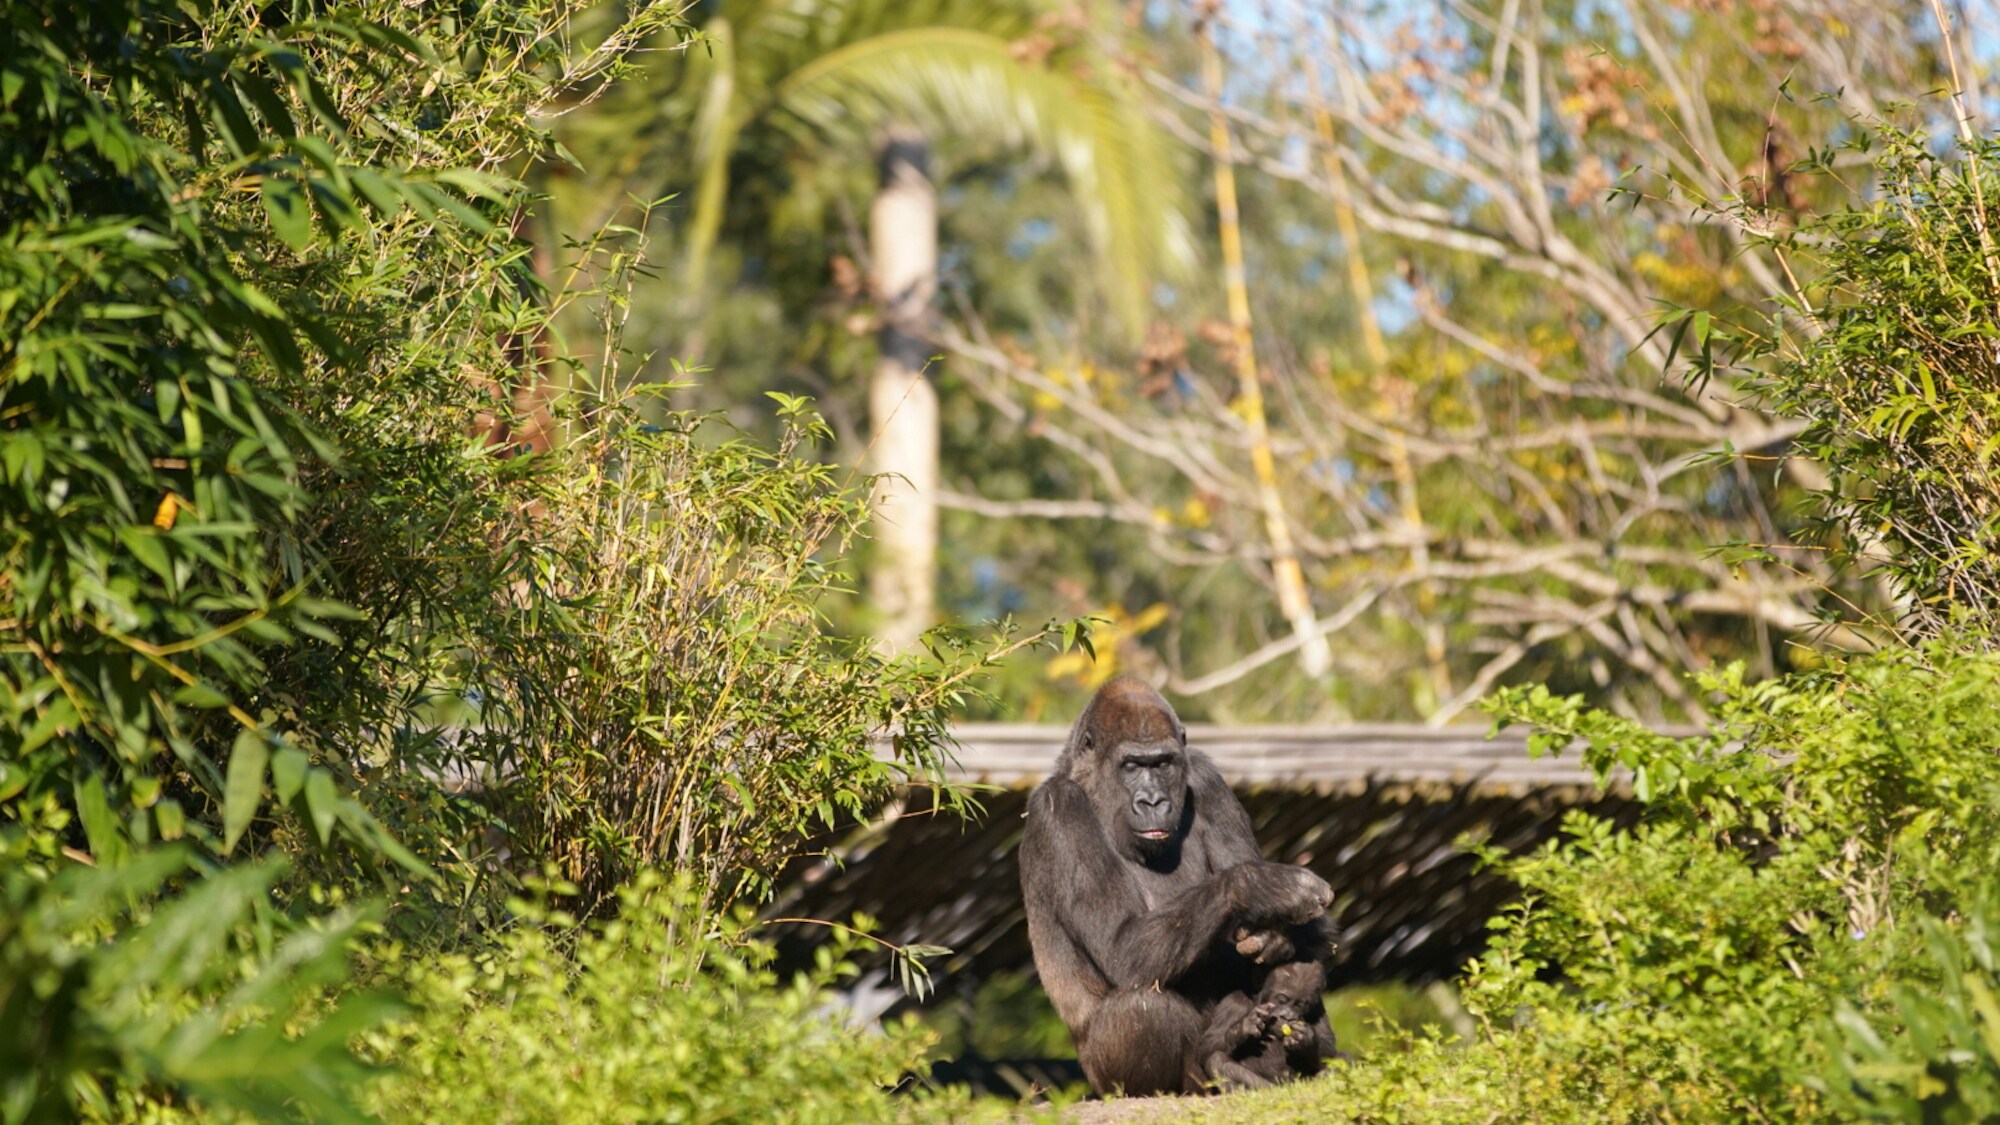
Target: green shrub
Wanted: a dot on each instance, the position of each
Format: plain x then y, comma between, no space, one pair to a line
663,1013
207,999
1889,352
1791,859
233,241
150,503
678,701
270,580
1801,928
210,1007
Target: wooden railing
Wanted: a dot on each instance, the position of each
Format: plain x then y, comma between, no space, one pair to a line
1322,758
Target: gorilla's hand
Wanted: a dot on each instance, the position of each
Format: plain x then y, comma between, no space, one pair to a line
1263,947
1279,894
1269,896
1257,1023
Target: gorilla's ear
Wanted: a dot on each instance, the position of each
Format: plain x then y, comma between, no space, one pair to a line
1089,742
1180,732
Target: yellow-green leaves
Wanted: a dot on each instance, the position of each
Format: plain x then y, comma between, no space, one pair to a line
291,217
245,787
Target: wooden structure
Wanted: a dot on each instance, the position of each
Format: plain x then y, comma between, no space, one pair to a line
1379,811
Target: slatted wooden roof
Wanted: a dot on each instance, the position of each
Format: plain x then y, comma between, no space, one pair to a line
1313,757
1379,811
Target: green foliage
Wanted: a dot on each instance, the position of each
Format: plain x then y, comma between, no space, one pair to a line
1801,928
223,227
273,582
151,509
696,714
257,545
1691,966
186,1002
1929,1048
664,1013
1890,354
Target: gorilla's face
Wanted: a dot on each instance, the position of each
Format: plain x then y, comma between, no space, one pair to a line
1142,790
1132,750
1154,777
1288,994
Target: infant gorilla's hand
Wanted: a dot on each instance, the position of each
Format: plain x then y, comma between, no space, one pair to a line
1257,1024
1277,1022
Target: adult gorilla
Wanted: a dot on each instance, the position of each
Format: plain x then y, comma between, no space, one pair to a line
1141,878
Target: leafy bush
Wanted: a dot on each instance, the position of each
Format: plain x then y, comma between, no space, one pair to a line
695,713
234,240
1802,928
263,320
1787,861
1890,353
104,1005
664,1013
151,488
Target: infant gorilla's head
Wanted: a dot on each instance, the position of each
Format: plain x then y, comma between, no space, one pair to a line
1288,994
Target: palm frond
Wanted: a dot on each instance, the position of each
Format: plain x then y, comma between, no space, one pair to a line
964,81
715,127
835,71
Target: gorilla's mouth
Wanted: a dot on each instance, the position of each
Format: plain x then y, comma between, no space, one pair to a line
1153,833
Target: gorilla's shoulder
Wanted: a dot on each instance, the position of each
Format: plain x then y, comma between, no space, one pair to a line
1201,767
1056,792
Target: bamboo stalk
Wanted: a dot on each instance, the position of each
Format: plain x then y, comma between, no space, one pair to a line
1293,600
1362,286
1962,116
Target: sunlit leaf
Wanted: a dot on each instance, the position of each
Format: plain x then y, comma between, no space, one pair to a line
245,789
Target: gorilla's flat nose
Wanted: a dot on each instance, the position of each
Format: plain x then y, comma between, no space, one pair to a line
1147,802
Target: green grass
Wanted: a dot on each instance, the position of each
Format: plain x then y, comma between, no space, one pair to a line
1420,1083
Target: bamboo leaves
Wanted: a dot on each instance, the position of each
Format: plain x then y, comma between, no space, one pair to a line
153,333
245,787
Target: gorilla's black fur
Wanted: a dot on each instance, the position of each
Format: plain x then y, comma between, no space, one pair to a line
1280,1034
1142,880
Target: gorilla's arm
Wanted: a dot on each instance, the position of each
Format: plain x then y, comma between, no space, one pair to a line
1235,1024
1311,1054
1227,835
1074,880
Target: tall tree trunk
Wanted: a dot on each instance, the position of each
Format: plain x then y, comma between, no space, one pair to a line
902,402
1315,656
1362,289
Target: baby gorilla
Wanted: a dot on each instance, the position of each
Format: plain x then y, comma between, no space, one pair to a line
1281,1033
